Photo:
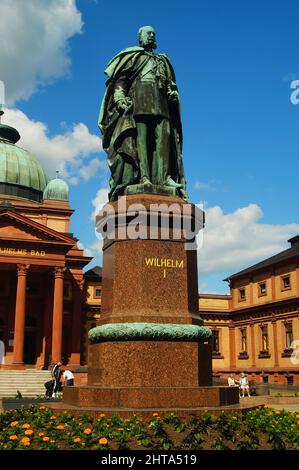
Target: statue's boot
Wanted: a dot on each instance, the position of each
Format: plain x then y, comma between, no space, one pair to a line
170,182
145,180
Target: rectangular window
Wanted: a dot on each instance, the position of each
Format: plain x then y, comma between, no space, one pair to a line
242,294
289,334
265,338
262,288
215,341
285,282
98,292
243,332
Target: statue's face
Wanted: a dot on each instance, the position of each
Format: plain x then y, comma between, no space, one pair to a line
147,37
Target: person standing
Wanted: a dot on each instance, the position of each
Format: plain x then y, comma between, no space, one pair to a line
56,374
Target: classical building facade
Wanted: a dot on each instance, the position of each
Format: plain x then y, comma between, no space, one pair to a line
254,327
42,294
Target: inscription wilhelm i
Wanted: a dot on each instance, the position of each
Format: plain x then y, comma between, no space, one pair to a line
164,263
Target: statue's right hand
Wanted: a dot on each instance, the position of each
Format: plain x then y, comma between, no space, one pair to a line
124,105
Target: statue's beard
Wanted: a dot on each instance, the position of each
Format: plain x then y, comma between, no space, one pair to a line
148,44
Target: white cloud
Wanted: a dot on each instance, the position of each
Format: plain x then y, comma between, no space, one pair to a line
68,152
94,250
99,201
34,43
237,240
88,171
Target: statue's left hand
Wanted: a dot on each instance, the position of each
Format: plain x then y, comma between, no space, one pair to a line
173,95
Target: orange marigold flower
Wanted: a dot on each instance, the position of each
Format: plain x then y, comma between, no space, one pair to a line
53,417
13,438
25,441
155,415
102,415
103,441
87,431
29,432
26,426
46,439
77,439
60,426
42,407
41,434
14,423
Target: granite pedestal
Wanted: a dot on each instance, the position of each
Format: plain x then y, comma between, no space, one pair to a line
150,284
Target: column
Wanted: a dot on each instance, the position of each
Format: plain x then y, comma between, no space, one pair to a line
20,311
232,347
77,322
275,343
253,364
57,314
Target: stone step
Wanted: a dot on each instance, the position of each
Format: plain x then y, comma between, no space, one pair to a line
30,383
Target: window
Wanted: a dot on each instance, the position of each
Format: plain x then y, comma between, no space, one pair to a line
265,338
262,288
243,340
242,295
286,282
98,292
215,342
288,334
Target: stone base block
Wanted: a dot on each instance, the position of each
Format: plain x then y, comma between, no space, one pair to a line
149,364
150,397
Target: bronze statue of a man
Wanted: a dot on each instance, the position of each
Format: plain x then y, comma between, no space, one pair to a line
140,120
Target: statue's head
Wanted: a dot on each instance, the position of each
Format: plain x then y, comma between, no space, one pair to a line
147,37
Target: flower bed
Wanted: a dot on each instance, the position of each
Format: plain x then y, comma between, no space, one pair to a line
39,428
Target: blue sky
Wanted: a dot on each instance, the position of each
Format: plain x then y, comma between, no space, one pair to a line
234,63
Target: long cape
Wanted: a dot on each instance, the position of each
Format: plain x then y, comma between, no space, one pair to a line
115,68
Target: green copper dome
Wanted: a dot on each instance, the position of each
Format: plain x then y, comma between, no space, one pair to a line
21,175
57,189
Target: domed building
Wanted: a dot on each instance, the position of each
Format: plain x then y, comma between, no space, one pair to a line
42,291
